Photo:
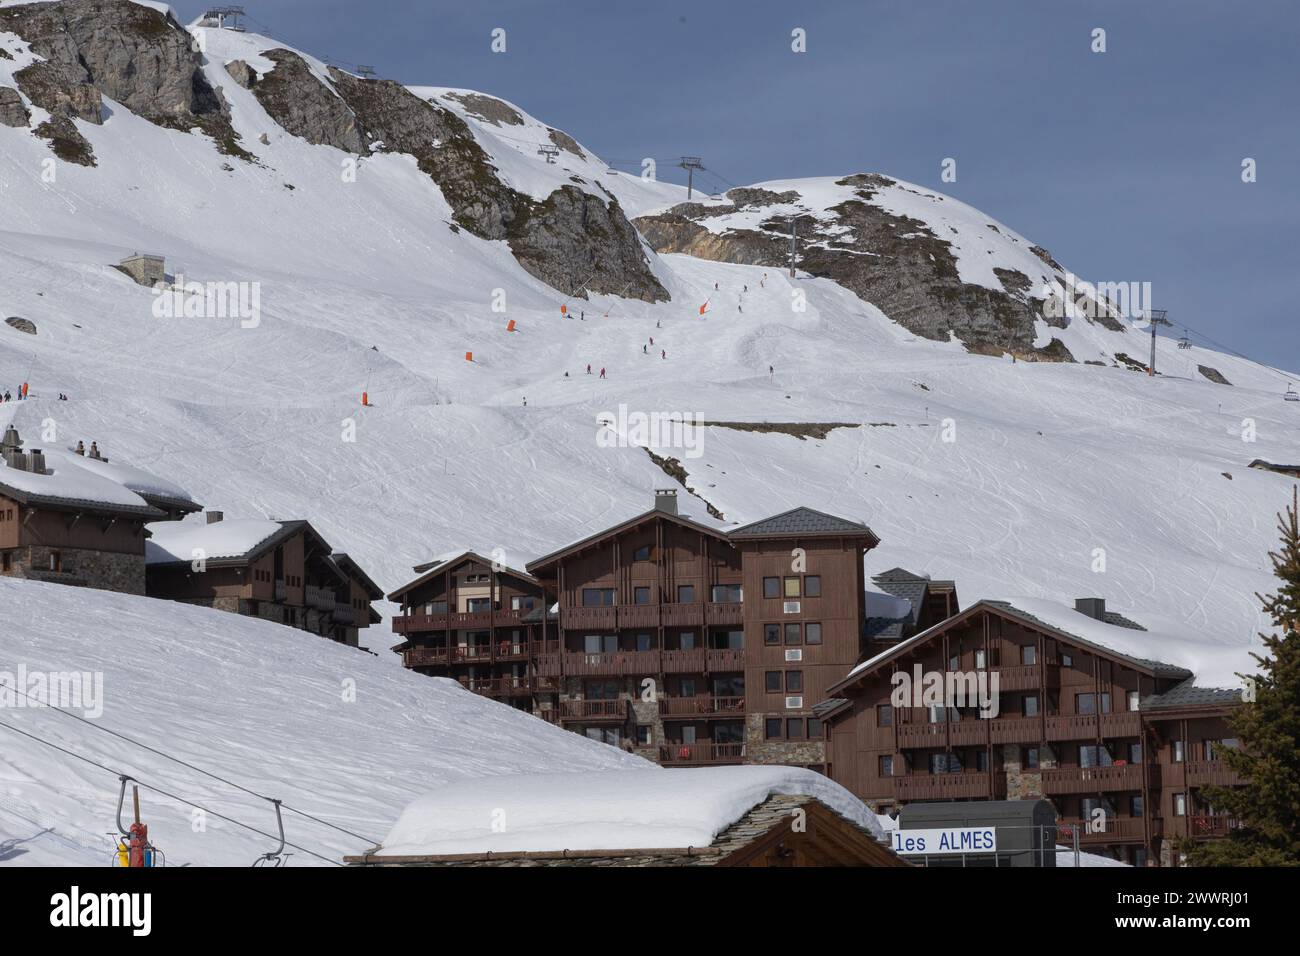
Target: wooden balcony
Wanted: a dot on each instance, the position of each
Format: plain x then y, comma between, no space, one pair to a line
701,753
1029,677
320,598
424,656
638,616
1117,830
471,653
592,710
961,733
1016,730
1090,726
460,620
978,785
682,615
1208,773
726,659
589,618
691,661
724,615
1063,780
701,706
615,664
1204,827
498,686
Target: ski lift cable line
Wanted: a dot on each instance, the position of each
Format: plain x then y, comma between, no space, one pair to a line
163,793
1230,351
185,763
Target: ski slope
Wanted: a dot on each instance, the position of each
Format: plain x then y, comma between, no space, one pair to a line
330,730
1040,480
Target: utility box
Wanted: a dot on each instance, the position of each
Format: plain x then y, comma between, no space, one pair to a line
978,833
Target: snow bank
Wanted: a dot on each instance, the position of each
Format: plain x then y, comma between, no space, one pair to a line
631,809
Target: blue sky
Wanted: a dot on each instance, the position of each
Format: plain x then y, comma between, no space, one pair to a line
1125,164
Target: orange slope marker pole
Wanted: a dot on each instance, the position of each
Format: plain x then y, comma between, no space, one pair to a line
510,326
704,306
469,356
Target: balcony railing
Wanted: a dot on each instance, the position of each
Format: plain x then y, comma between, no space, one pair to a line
498,686
1089,726
1062,780
1016,730
1028,676
701,706
1209,773
717,615
692,661
1211,826
922,734
321,598
704,752
458,620
726,659
977,785
423,656
1115,830
614,664
593,709
588,618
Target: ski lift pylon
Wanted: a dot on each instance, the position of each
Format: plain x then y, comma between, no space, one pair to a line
276,857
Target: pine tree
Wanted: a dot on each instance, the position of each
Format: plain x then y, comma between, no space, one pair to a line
1268,760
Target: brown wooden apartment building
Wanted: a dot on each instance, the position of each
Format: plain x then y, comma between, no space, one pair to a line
662,635
1110,739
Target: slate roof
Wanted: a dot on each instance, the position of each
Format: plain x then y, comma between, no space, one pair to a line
1185,695
801,521
828,705
31,498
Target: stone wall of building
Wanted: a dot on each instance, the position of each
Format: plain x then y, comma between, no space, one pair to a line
104,570
801,753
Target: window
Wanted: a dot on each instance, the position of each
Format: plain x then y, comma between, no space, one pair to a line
1029,654
597,597
792,587
600,644
686,594
1031,758
1134,753
643,737
640,595
478,605
944,763
793,682
727,594
884,715
1135,807
1180,804
7,562
794,728
643,642
812,633
771,587
954,662
772,728
56,561
1105,703
792,635
772,682
812,586
1091,755
642,553
1133,699
981,760
887,765
937,714
1030,705
981,661
1067,660
1085,703
688,734
686,640
686,687
1177,746
771,634
814,729
522,603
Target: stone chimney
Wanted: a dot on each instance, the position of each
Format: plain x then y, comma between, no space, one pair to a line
94,452
666,500
215,516
37,460
81,448
1093,607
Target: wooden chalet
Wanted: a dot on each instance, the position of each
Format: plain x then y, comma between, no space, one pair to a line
1120,744
282,571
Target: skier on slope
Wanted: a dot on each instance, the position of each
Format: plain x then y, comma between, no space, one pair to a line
588,368
663,353
643,350
602,371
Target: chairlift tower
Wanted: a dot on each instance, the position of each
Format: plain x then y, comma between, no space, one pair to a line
690,164
549,153
224,14
1157,318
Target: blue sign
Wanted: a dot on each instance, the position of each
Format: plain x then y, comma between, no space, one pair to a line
953,840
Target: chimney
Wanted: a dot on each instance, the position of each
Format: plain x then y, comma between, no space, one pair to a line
37,461
81,448
215,516
666,500
1093,607
94,452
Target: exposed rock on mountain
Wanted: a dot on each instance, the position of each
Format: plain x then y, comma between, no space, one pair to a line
12,111
136,55
300,103
890,253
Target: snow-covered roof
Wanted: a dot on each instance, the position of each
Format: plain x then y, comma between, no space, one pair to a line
1161,644
68,485
608,810
128,476
180,541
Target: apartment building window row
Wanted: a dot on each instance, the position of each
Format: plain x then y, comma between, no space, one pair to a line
791,681
793,728
792,634
792,587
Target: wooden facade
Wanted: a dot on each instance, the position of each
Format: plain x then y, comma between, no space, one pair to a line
660,641
1119,745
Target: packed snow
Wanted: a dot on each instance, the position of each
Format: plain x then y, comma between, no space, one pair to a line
183,540
330,730
631,809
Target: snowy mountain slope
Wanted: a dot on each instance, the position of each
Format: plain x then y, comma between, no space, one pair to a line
365,285
261,705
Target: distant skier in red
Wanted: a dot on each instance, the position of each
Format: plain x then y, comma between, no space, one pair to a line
602,371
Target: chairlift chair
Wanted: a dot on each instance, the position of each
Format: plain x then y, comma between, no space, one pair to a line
1184,342
1290,395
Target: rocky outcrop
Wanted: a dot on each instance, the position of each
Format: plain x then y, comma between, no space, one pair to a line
1213,374
573,241
12,110
243,74
60,91
300,103
22,325
488,108
136,55
896,263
